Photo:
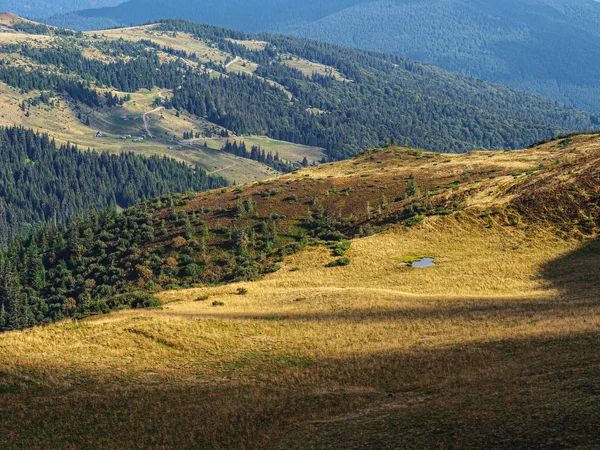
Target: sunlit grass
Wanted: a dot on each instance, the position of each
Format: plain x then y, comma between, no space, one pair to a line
343,338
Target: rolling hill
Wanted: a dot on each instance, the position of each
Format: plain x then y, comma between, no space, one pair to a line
341,341
181,84
533,46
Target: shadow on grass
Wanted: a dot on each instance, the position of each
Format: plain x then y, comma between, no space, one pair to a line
577,274
538,392
516,392
472,309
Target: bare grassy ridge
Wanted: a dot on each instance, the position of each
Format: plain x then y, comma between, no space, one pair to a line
494,347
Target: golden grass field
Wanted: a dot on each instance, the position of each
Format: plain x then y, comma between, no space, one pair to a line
494,347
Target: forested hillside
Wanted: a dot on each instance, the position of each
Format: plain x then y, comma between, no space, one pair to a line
534,46
288,88
108,260
41,182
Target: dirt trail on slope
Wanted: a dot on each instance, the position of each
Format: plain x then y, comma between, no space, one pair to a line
145,117
236,59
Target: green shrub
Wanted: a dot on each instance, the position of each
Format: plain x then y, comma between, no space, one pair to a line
340,248
202,298
338,251
339,262
136,299
415,220
241,291
218,303
192,270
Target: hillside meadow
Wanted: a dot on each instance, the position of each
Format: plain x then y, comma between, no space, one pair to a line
496,346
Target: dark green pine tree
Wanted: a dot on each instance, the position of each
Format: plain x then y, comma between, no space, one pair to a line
36,272
18,315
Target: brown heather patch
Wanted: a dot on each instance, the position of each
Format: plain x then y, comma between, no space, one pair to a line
554,183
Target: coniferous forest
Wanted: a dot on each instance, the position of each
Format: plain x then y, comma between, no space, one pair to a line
42,182
100,261
498,41
257,154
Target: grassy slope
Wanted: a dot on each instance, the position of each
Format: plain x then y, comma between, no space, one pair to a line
495,347
62,122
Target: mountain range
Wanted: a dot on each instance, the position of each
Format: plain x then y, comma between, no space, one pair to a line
286,88
42,9
215,239
520,44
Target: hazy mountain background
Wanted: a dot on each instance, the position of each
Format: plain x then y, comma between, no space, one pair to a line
247,15
548,47
42,9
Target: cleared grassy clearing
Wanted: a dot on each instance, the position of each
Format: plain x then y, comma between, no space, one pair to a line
14,38
286,150
309,67
240,66
250,44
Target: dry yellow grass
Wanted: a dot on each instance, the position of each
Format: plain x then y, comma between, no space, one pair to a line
250,44
309,67
34,40
9,19
348,357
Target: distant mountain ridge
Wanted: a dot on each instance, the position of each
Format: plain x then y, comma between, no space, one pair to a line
247,15
547,47
42,9
533,45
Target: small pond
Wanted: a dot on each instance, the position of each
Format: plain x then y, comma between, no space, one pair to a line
422,263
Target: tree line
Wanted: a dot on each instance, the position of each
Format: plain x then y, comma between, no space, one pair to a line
42,182
257,154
